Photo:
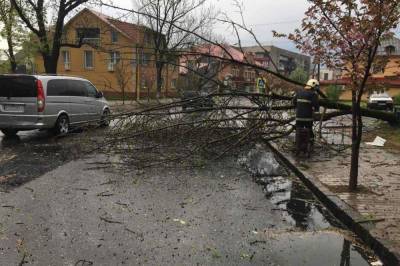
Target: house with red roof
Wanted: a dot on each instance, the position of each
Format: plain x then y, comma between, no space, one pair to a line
227,64
115,55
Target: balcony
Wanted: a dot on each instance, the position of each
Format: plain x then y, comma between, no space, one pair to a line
95,42
67,66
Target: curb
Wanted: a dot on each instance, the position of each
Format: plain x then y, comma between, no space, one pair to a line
342,211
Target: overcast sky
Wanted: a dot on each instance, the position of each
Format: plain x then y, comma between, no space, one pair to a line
262,16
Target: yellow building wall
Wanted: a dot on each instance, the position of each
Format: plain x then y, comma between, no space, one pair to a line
392,68
391,71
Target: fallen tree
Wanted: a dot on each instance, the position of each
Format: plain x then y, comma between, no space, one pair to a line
347,109
148,137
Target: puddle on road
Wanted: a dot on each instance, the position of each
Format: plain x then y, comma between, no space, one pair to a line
317,236
316,248
299,207
316,239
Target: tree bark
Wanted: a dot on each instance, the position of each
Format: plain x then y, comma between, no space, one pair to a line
347,109
159,69
50,65
356,141
37,24
11,55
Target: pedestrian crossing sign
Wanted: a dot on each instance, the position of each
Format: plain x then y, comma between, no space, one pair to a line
261,84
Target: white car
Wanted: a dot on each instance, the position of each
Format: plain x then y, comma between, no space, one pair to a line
380,101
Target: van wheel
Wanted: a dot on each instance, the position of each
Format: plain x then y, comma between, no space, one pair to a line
62,125
105,118
9,132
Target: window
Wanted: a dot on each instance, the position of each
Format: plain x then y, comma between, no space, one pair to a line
88,59
115,57
114,36
57,87
390,50
261,55
90,89
249,75
326,76
76,88
66,59
66,87
147,38
11,86
88,35
173,83
145,59
235,72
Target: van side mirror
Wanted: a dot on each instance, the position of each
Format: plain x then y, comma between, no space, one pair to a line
99,94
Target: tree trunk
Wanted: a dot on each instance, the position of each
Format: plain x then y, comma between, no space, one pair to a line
11,55
347,109
159,69
123,95
50,66
355,141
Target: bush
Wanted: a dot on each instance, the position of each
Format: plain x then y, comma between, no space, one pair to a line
299,75
333,92
396,100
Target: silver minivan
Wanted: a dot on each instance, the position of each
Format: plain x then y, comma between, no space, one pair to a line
49,102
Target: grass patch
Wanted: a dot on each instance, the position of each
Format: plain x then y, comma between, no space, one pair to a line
348,102
119,98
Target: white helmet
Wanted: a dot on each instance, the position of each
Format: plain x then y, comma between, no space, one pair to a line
312,83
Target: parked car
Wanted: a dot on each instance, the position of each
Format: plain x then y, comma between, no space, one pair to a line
49,102
195,99
380,101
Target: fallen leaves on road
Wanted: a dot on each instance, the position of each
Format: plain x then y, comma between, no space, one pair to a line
4,178
182,222
6,158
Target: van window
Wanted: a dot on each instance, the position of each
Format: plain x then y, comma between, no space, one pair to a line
17,86
76,88
57,87
91,90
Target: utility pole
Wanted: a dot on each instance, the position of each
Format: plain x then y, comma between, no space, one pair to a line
137,74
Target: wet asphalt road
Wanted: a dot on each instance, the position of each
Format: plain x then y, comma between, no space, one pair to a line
58,208
34,153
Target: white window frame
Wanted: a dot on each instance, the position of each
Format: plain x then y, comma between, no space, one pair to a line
66,59
114,36
115,57
85,65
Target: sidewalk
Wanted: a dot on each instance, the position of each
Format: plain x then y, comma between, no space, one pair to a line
378,198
